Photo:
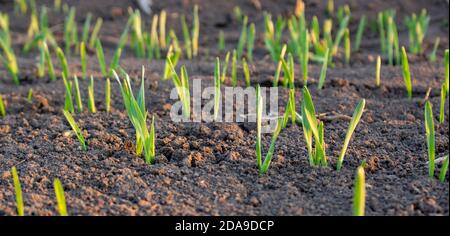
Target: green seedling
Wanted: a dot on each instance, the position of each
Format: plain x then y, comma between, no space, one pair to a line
75,129
263,165
162,29
387,29
251,41
234,68
406,73
323,71
221,44
217,90
18,191
289,74
246,72
442,105
357,114
21,5
187,37
444,170
340,33
77,94
173,56
378,72
225,68
57,5
95,32
86,28
273,36
41,64
137,113
347,46
2,107
10,60
360,32
330,8
83,60
195,31
101,58
342,12
359,194
238,14
430,135
30,96
446,71
242,38
417,28
91,98
181,83
432,56
137,35
108,95
70,31
279,66
68,103
115,61
48,59
60,199
313,129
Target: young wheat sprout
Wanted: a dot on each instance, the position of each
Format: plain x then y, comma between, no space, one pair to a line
60,199
359,195
2,107
406,73
18,191
75,129
444,169
430,135
378,72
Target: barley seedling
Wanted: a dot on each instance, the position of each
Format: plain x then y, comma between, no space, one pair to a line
153,47
313,129
21,5
30,96
442,106
41,64
446,71
289,73
323,71
389,36
48,59
242,38
273,36
60,199
181,83
279,66
444,169
234,68
2,107
108,95
86,28
91,98
406,73
195,32
342,12
173,57
83,60
10,62
76,129
70,31
347,46
357,114
250,42
101,58
137,113
162,29
360,32
417,28
187,37
221,44
225,67
77,94
68,103
340,33
359,194
263,165
315,31
18,191
330,8
137,35
237,12
57,5
63,61
432,56
246,71
217,90
429,127
378,72
95,32
33,28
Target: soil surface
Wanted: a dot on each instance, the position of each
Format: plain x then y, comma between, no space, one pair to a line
210,168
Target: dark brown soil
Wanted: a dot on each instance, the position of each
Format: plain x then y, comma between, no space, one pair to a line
210,168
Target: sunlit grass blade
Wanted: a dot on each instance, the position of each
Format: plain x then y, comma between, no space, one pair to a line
95,32
63,62
187,37
258,126
432,56
60,198
446,71
268,159
78,95
221,41
2,107
217,90
101,58
246,72
91,98
162,29
86,28
115,61
83,60
444,170
225,68
359,194
347,46
378,72
351,128
234,68
406,73
279,66
242,38
430,135
48,59
195,31
442,105
75,129
251,42
108,95
18,191
30,96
